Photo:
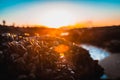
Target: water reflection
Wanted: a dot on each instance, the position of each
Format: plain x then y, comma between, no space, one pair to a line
95,52
104,77
109,61
111,66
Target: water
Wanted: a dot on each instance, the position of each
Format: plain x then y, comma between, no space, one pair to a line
95,52
109,61
111,66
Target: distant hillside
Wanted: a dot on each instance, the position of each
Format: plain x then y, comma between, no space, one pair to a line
105,37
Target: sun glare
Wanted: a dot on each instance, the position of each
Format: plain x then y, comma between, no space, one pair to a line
61,48
57,18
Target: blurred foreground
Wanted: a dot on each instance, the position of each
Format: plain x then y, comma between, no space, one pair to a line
54,54
45,58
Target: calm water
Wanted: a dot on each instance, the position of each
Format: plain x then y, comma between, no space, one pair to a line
95,52
110,62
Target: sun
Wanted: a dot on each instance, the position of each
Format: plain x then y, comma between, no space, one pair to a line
55,18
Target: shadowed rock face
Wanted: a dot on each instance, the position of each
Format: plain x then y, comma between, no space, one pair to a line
47,58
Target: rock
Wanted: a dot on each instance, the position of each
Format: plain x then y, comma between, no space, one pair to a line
50,58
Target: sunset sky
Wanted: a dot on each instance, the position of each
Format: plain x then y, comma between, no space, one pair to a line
56,13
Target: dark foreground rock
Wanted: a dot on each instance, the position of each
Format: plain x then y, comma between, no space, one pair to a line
46,58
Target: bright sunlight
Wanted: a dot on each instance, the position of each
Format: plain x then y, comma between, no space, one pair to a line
57,18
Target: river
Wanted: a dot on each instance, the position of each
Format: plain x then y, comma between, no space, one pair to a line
110,62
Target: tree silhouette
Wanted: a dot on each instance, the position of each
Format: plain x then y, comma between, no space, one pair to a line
4,22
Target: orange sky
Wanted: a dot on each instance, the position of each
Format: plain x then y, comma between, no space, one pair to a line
61,13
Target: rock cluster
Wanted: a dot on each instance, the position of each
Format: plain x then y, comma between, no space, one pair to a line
46,58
